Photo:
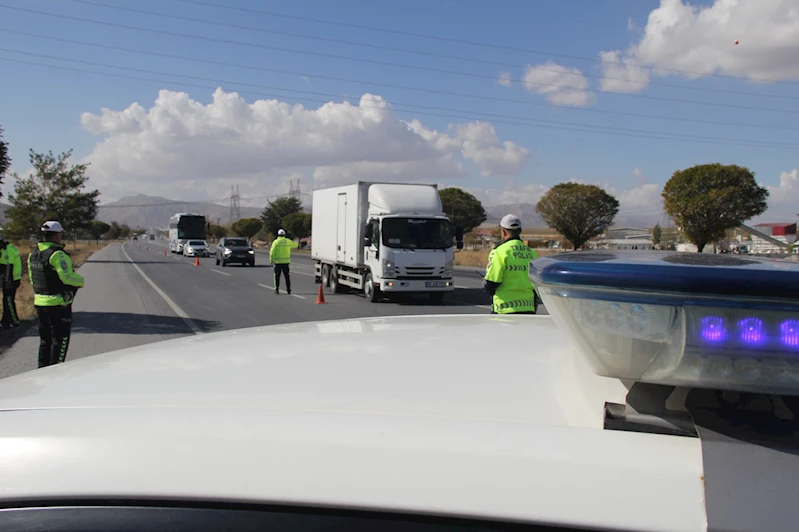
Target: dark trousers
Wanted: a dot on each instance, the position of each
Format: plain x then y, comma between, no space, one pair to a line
55,325
10,316
284,269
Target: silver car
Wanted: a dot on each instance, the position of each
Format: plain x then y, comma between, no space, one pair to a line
196,248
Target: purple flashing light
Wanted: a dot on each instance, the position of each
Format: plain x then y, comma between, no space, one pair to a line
713,329
789,333
751,330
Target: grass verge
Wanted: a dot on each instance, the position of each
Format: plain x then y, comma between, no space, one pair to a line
479,259
78,252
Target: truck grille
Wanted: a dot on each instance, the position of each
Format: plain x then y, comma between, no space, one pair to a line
422,271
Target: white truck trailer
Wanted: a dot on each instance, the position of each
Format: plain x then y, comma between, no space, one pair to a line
384,239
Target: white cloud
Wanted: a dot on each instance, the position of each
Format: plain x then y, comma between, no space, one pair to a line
621,74
639,175
561,85
504,79
701,39
490,197
180,145
783,200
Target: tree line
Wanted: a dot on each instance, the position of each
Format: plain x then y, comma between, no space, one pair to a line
705,201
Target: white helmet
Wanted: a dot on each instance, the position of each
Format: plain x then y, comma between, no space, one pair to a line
52,227
281,232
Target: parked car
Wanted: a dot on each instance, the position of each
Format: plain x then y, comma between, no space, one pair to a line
196,248
234,250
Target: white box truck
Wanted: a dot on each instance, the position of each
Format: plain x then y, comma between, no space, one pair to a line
384,239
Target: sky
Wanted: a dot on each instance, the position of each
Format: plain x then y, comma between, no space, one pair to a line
185,98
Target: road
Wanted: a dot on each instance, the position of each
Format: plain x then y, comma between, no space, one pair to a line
136,294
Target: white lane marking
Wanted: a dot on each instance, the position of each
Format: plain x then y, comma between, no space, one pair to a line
220,273
299,296
267,286
174,306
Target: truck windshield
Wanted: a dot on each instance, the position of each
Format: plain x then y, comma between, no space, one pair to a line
417,233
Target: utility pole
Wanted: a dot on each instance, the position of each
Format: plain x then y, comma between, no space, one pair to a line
235,204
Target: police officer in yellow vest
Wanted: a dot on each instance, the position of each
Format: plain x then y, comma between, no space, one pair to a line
507,274
54,287
11,261
280,257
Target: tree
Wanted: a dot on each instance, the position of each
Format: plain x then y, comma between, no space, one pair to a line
578,212
114,231
657,234
98,229
54,191
124,231
276,210
463,209
217,231
248,227
5,159
706,200
297,224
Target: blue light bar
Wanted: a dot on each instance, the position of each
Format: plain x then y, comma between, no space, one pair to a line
687,273
713,321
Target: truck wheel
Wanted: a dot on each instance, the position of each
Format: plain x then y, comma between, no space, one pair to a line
436,297
369,290
325,275
335,286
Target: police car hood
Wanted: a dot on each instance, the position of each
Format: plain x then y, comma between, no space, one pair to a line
466,416
519,369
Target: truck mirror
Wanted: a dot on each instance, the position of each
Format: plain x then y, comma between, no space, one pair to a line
459,234
367,242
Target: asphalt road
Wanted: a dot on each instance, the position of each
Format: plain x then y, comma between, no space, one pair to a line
136,294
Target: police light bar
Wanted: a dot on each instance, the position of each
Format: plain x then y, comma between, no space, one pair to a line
696,320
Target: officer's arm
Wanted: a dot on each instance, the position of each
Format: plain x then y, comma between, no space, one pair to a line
30,273
272,251
294,245
494,272
63,266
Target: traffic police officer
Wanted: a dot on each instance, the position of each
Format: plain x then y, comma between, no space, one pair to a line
507,278
9,257
280,257
54,286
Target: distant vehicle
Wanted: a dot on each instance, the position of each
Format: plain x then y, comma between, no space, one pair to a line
184,227
135,237
152,237
234,250
196,248
383,238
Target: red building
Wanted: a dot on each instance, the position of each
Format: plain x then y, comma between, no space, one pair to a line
777,229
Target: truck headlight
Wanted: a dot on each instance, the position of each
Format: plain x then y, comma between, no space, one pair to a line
228,252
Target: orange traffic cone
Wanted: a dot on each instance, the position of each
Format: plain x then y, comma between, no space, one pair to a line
196,261
320,297
164,253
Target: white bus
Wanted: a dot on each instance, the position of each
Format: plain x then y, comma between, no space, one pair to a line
183,227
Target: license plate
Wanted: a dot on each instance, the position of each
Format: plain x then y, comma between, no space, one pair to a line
435,284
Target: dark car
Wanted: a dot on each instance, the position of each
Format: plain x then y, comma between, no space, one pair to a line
234,250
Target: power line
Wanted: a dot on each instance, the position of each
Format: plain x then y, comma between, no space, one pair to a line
493,116
387,63
395,86
473,43
419,52
213,201
597,129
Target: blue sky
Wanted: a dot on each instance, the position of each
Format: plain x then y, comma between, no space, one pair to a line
41,107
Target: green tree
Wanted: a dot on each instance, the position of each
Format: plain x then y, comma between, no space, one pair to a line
706,200
297,224
276,210
462,208
124,231
578,212
114,231
5,159
98,229
248,227
218,231
657,234
54,191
